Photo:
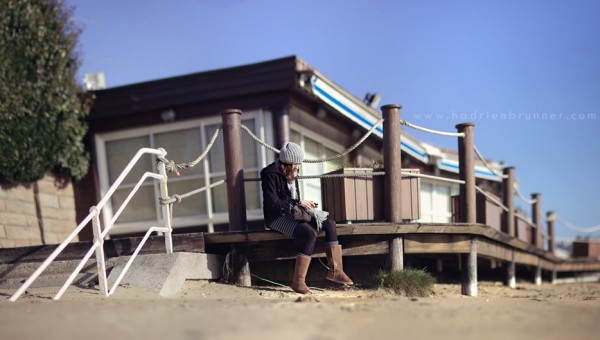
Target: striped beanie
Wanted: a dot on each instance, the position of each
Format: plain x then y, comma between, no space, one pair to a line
291,153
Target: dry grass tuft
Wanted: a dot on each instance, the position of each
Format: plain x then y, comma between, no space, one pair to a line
411,282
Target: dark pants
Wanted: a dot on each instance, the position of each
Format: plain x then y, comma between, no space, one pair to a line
306,233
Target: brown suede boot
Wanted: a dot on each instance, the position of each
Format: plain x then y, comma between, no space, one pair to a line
299,286
336,270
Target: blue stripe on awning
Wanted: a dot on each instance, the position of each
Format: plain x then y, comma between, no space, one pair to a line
478,171
366,123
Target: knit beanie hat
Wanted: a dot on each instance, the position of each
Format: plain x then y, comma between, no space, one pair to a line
291,153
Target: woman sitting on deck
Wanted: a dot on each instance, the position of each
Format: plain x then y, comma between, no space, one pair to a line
280,196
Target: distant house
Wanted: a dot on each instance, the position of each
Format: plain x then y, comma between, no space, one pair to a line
283,99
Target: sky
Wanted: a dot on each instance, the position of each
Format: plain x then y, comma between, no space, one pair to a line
526,72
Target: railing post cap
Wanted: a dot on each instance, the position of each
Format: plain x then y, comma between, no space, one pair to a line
536,194
509,168
231,111
391,106
464,125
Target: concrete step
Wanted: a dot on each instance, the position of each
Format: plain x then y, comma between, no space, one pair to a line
55,275
163,273
166,273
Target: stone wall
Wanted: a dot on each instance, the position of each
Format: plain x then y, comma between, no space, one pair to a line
36,213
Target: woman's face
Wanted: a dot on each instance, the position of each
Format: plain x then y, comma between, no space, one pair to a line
290,171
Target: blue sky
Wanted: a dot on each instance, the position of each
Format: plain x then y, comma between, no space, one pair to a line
494,63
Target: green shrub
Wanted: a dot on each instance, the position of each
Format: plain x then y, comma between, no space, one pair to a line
43,110
411,282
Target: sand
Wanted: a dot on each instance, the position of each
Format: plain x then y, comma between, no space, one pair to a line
208,310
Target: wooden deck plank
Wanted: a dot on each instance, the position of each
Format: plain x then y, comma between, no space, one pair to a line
436,244
424,238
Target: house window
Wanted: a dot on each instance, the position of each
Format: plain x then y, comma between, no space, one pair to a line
315,147
184,142
436,201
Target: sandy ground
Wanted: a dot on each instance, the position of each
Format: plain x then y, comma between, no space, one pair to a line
206,310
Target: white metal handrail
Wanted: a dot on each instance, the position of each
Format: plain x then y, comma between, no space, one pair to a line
99,236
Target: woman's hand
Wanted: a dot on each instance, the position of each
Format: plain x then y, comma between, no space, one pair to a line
309,204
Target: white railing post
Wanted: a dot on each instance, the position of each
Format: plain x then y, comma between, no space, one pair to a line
166,210
100,262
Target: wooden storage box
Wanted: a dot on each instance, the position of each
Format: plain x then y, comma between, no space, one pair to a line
360,198
488,212
586,248
525,231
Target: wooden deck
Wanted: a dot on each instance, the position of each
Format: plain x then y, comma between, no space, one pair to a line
372,241
376,239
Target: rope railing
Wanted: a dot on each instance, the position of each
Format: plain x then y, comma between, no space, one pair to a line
492,198
322,160
175,198
576,228
354,175
367,174
487,165
258,140
435,132
523,198
524,218
171,166
443,179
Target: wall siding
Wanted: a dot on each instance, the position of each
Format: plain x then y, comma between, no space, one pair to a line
30,217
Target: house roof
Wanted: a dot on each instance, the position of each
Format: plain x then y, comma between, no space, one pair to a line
241,81
261,84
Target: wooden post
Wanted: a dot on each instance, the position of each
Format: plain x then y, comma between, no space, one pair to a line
281,126
357,155
234,169
511,279
236,196
538,275
536,217
508,199
397,253
467,209
439,265
469,276
392,163
550,219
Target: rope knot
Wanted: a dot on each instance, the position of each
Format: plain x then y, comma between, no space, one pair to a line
170,200
170,166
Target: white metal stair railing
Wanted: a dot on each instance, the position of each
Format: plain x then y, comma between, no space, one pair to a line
99,234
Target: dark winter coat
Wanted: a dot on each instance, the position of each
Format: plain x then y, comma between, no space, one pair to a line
277,197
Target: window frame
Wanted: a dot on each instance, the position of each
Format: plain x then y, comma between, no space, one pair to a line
323,141
263,129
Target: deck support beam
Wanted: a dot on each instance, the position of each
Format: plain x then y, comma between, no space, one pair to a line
397,253
469,270
538,276
511,279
